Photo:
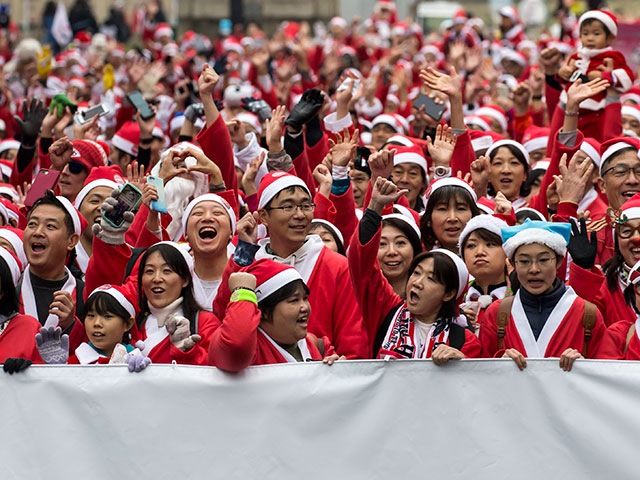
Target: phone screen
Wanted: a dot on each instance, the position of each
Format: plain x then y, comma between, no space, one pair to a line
128,199
140,104
92,112
431,108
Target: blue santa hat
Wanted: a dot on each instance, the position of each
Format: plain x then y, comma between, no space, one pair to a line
553,235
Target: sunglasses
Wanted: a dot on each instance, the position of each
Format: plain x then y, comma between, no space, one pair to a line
76,167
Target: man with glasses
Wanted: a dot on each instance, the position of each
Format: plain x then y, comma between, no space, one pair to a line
545,318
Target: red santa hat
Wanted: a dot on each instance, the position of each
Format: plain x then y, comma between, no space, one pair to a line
488,222
511,13
449,182
461,270
494,112
515,56
120,294
77,82
82,39
542,165
608,19
634,274
486,205
629,110
483,140
15,237
632,95
459,16
614,145
591,147
89,153
274,182
397,122
631,208
99,177
338,22
9,190
183,250
127,138
231,44
532,211
6,167
384,5
251,119
9,144
336,231
513,143
210,197
79,222
401,139
270,276
14,265
412,154
484,123
117,51
12,210
162,30
535,138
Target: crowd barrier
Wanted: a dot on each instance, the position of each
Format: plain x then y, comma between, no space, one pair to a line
471,419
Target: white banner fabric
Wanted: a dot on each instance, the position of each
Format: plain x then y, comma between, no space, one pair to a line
472,419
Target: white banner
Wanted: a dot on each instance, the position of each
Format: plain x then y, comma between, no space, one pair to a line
474,419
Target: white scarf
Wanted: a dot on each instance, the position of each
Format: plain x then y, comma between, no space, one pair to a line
303,260
585,55
29,299
204,299
587,200
302,345
154,324
82,257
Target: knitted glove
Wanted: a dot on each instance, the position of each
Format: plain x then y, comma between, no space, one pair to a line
107,232
32,115
52,345
306,109
219,104
180,333
258,107
582,247
136,360
15,365
193,112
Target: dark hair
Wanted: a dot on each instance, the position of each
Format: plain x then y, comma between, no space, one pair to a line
589,21
103,304
483,234
268,305
612,267
606,163
175,260
407,231
291,189
443,195
332,232
533,176
445,273
525,189
630,297
49,198
524,214
10,302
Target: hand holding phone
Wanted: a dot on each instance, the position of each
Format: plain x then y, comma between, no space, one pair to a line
81,118
127,200
45,180
431,108
159,205
140,104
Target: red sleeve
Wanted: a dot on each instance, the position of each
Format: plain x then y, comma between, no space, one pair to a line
471,347
268,96
224,294
488,336
612,121
234,344
346,219
520,124
538,117
316,154
78,334
614,341
107,265
325,210
463,155
301,165
216,144
552,98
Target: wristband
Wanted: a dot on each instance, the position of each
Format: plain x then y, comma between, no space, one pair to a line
340,173
244,294
536,97
571,114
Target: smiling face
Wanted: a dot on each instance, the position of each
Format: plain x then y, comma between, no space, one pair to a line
208,228
359,184
160,283
288,321
411,177
72,180
619,189
290,229
630,246
90,208
448,220
536,266
507,173
425,295
105,331
395,253
380,134
631,124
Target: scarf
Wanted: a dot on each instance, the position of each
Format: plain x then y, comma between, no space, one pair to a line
154,324
585,55
401,339
302,345
303,260
82,258
623,276
29,299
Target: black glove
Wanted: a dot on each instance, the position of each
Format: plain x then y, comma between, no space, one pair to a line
258,107
194,111
306,109
219,104
220,66
15,365
582,247
32,116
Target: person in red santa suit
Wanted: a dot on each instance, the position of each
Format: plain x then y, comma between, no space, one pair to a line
266,321
17,331
285,208
511,29
425,325
545,317
621,340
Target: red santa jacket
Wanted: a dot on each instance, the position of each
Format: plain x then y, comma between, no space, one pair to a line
614,342
19,339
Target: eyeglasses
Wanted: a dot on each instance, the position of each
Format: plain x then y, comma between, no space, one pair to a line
624,230
622,170
526,263
76,167
289,209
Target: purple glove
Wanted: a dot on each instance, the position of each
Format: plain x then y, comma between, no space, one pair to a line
52,345
136,360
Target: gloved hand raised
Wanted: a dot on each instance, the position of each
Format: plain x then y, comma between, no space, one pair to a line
53,345
258,107
582,246
107,232
180,333
306,109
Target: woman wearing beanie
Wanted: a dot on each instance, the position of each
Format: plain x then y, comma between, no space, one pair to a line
266,321
425,325
545,318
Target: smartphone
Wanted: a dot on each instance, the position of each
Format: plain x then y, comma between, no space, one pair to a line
83,117
140,104
45,180
431,108
128,200
159,205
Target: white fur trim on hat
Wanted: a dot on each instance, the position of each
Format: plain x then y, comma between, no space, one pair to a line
387,119
411,157
126,304
626,110
102,182
532,210
405,219
602,17
401,140
75,216
11,262
17,244
554,241
275,283
461,268
9,145
176,122
209,197
182,250
612,150
632,213
479,121
455,182
536,144
502,143
488,222
495,114
285,181
593,154
330,226
481,143
125,145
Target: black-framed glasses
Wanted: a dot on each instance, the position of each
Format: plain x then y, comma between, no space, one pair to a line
306,208
622,170
624,230
76,168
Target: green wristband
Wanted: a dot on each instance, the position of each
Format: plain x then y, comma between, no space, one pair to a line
245,294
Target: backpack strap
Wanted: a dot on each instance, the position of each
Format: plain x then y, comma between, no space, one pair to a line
456,336
318,342
630,333
504,315
588,323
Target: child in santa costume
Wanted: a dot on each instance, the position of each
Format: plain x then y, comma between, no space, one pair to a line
545,318
621,340
266,321
425,325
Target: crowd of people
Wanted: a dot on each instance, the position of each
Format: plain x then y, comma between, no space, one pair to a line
357,190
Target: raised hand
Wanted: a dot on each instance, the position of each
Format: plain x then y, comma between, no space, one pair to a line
33,114
384,192
171,167
343,150
442,147
322,176
578,92
180,333
449,84
305,109
274,129
583,246
251,173
572,183
207,80
63,307
242,280
503,206
135,175
549,60
258,107
104,230
381,163
60,153
521,98
480,171
247,228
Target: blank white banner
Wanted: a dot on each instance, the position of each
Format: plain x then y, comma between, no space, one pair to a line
475,419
